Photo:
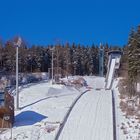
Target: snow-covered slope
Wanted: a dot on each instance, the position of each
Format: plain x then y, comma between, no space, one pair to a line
44,106
91,118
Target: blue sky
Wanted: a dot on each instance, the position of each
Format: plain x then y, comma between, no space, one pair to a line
44,22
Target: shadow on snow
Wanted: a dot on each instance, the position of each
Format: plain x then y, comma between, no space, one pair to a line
28,118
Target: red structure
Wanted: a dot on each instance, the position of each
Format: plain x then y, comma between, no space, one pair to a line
6,109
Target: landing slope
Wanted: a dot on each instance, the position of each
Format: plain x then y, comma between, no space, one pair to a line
91,118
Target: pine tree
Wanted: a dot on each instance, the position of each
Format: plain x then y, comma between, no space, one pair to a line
1,54
9,56
133,60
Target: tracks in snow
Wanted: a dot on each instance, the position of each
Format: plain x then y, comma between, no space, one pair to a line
90,118
67,115
114,116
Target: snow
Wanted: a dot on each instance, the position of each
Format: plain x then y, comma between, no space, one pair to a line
127,126
91,118
43,107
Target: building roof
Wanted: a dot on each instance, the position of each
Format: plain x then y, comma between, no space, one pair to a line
115,52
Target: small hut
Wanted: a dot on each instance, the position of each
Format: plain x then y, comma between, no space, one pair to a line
6,109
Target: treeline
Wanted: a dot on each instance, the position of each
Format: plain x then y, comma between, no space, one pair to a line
131,60
73,59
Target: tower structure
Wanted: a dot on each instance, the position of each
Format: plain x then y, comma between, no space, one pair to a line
101,61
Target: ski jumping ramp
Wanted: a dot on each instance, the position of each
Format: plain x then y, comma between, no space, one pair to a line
113,65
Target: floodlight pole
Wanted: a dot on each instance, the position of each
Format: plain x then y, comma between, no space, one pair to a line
52,66
52,49
101,60
17,92
17,45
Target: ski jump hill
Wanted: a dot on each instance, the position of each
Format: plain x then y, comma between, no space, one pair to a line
113,66
58,112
